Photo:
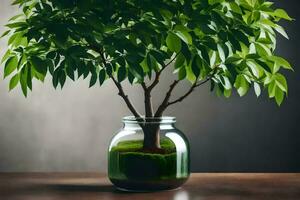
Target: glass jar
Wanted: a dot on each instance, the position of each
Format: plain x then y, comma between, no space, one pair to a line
148,154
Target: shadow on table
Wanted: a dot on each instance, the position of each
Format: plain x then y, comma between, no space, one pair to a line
95,188
81,188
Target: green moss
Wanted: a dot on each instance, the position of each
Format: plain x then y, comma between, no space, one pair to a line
134,145
128,161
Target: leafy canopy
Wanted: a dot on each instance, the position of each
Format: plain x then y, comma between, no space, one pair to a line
232,42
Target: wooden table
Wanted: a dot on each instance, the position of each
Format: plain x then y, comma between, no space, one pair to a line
58,186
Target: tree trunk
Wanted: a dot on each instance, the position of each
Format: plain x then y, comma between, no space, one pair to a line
151,137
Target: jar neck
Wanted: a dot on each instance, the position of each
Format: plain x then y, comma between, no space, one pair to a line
165,121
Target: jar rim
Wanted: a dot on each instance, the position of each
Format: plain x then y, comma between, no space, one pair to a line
150,120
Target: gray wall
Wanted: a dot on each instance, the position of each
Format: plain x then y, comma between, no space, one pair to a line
70,130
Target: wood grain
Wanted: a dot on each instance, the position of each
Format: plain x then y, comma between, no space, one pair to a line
201,186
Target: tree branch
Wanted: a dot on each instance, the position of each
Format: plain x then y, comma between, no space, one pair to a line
119,86
148,90
172,60
195,85
165,102
126,99
148,101
157,74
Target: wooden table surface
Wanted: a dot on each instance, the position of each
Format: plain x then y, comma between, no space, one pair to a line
201,186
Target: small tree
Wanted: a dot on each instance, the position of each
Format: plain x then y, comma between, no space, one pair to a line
227,43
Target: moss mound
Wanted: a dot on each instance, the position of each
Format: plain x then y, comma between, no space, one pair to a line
127,161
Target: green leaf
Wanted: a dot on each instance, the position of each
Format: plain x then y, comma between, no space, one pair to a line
257,89
196,65
268,23
235,7
23,80
39,65
240,36
16,17
265,65
241,85
272,89
57,60
213,59
203,51
109,70
15,39
144,65
10,66
190,75
137,71
235,43
55,77
281,82
279,96
93,79
182,73
219,90
29,76
17,24
233,59
173,42
254,68
62,79
281,30
14,82
152,62
182,33
6,56
51,55
225,82
282,14
131,77
227,93
122,73
86,71
262,50
179,61
70,72
221,53
281,62
22,61
50,65
102,76
5,33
